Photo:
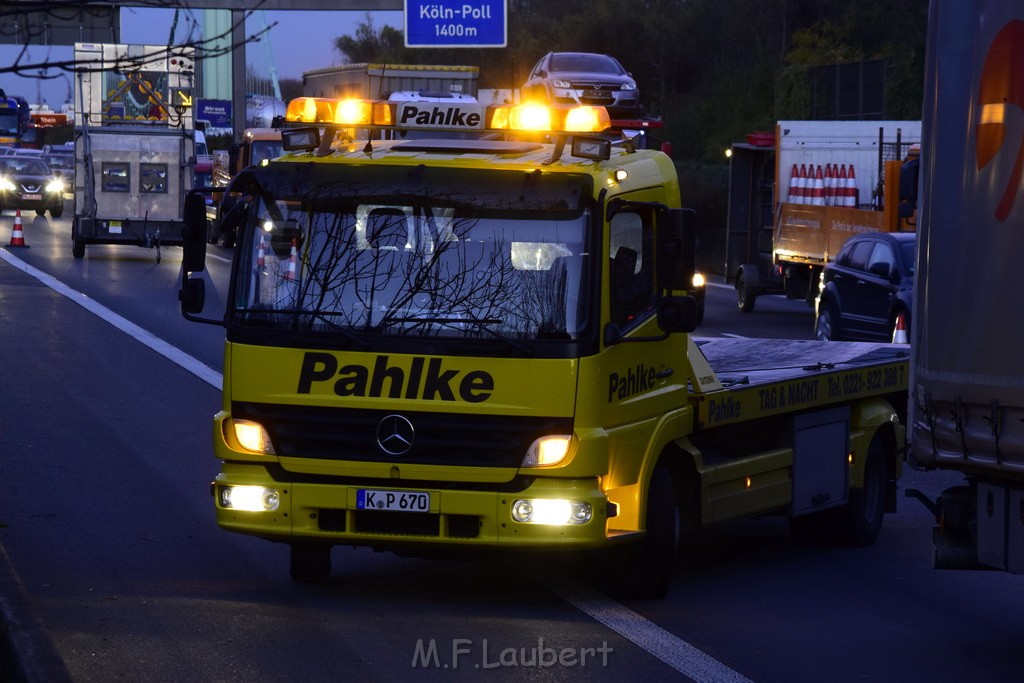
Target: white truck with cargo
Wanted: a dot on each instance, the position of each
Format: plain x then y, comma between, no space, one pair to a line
796,196
967,369
134,144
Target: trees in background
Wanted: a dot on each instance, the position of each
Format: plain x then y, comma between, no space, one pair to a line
714,69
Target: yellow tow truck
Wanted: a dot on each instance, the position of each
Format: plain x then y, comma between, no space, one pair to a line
480,341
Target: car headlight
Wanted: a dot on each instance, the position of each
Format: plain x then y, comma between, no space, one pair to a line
628,86
55,185
559,83
6,185
252,436
547,450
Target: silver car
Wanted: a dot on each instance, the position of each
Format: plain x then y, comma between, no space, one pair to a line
584,78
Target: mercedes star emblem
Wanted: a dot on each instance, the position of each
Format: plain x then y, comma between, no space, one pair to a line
395,435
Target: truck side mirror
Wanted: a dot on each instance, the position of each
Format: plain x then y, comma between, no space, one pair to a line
677,249
194,233
192,295
677,314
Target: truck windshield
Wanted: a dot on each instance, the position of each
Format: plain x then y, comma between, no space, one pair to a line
415,269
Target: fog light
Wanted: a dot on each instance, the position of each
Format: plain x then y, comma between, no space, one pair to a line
551,512
249,498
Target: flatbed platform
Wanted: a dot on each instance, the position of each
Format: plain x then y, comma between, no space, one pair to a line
762,377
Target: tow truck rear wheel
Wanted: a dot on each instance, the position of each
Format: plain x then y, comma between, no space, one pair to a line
860,519
858,522
310,562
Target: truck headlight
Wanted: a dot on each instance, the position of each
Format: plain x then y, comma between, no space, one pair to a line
252,436
547,450
249,498
552,512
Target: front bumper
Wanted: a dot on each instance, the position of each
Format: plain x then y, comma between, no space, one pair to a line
45,201
459,517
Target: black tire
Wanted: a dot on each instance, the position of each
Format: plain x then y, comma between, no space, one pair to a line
310,562
57,211
40,212
78,248
649,563
826,325
744,296
860,520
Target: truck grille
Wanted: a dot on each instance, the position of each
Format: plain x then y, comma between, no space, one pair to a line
404,524
438,438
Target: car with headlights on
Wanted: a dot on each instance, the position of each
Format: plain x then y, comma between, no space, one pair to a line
867,288
583,78
29,183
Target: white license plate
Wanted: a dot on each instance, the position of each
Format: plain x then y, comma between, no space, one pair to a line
596,94
28,197
394,501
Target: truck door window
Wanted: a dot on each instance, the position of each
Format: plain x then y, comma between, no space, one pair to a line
630,267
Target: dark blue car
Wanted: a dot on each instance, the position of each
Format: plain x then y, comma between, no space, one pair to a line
866,289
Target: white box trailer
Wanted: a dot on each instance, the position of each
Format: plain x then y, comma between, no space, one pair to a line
796,195
134,144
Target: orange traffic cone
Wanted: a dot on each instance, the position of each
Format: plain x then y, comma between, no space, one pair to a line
830,186
795,196
899,332
293,261
818,188
261,252
851,188
18,235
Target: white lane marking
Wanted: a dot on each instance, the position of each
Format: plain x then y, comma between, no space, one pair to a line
218,257
733,336
674,651
172,353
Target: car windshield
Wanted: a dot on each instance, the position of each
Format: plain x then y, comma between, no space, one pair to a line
591,63
416,270
909,251
64,162
265,149
23,166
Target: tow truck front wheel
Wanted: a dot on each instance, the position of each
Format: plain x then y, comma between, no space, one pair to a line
645,568
310,562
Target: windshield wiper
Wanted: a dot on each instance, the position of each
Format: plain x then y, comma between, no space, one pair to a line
319,315
479,323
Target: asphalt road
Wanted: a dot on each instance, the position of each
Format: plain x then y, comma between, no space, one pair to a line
105,512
